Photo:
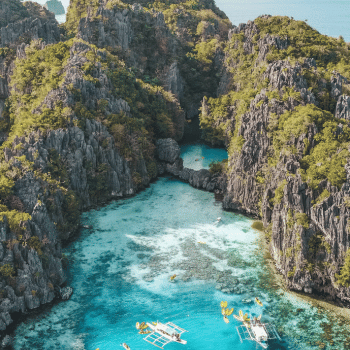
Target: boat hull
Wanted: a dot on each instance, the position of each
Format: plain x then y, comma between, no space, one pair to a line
160,328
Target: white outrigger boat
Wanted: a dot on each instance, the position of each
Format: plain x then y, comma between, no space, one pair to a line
163,334
256,331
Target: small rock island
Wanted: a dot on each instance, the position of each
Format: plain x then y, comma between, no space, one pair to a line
55,6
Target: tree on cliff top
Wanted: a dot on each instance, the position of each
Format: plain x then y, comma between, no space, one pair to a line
344,277
78,8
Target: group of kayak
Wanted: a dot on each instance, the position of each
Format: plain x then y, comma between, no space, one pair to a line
241,317
225,311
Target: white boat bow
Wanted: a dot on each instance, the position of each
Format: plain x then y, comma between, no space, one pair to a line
163,334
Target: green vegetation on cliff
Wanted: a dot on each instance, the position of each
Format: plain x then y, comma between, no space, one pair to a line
33,78
193,16
172,9
221,116
304,41
44,70
11,206
194,38
34,107
12,11
31,107
327,158
343,278
288,147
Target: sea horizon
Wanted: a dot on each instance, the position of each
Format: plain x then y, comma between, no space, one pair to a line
327,17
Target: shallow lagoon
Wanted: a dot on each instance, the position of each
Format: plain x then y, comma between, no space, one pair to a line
120,274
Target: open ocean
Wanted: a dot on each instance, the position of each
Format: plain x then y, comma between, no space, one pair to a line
329,17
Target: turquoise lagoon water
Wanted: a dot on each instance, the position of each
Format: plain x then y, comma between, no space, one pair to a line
199,156
120,273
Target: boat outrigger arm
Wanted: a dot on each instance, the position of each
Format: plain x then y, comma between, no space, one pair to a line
258,332
163,334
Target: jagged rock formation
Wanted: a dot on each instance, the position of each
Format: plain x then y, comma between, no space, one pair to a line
34,284
11,11
174,82
30,22
342,109
148,49
145,40
55,6
113,29
337,82
86,150
58,172
304,208
94,124
37,11
33,29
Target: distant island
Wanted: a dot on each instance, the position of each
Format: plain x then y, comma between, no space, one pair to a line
55,6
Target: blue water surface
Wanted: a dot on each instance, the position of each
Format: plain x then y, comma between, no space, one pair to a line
120,271
200,156
329,17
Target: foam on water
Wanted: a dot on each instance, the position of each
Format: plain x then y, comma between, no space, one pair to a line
120,271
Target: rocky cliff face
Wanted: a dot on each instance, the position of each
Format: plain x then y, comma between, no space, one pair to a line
94,118
90,162
12,11
158,42
103,149
32,29
170,162
305,214
143,40
26,23
51,207
146,43
20,25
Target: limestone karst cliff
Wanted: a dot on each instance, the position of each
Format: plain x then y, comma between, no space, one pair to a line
82,107
91,111
282,110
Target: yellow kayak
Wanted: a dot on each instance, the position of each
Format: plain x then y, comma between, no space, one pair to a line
229,312
258,302
125,346
238,318
223,304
